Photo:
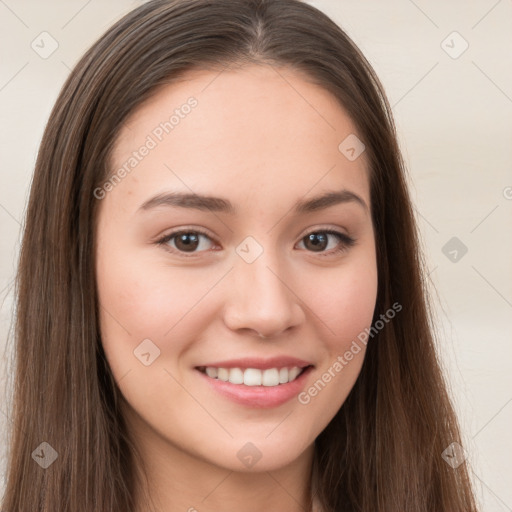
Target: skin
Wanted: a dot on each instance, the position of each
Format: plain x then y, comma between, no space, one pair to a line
263,138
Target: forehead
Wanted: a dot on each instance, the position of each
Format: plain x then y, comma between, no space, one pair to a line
247,131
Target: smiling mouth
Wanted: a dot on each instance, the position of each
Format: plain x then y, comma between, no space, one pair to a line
271,377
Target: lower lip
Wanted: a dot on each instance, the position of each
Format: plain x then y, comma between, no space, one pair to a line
259,396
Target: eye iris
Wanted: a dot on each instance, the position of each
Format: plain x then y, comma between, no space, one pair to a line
187,241
317,245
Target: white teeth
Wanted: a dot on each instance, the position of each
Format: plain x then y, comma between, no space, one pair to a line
292,374
211,372
270,377
253,376
223,374
236,376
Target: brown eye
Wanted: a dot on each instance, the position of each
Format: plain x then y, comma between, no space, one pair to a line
185,241
318,241
189,242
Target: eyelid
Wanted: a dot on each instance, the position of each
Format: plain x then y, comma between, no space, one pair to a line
186,229
346,241
162,240
323,229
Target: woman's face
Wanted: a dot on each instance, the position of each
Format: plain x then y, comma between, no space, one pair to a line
257,259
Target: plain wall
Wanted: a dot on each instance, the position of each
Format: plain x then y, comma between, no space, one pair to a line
453,111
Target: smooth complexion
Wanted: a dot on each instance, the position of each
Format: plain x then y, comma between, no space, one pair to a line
261,138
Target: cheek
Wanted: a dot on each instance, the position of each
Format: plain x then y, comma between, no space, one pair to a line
141,299
352,305
343,302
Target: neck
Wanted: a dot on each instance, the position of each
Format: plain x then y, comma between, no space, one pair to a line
177,480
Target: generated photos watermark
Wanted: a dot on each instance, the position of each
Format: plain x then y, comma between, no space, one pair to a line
341,361
152,140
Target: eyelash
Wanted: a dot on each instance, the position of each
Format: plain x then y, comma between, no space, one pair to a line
346,242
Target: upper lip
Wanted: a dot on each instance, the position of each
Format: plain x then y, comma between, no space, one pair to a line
259,363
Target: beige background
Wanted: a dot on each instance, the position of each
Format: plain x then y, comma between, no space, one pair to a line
454,116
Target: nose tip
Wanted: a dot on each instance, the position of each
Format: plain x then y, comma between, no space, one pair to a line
261,301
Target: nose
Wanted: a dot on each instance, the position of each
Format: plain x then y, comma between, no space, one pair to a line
261,298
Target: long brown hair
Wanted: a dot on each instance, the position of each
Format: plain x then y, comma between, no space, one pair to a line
383,449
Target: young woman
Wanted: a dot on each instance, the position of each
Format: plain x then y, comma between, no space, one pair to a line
220,298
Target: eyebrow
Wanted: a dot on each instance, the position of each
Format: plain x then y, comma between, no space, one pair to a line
218,204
